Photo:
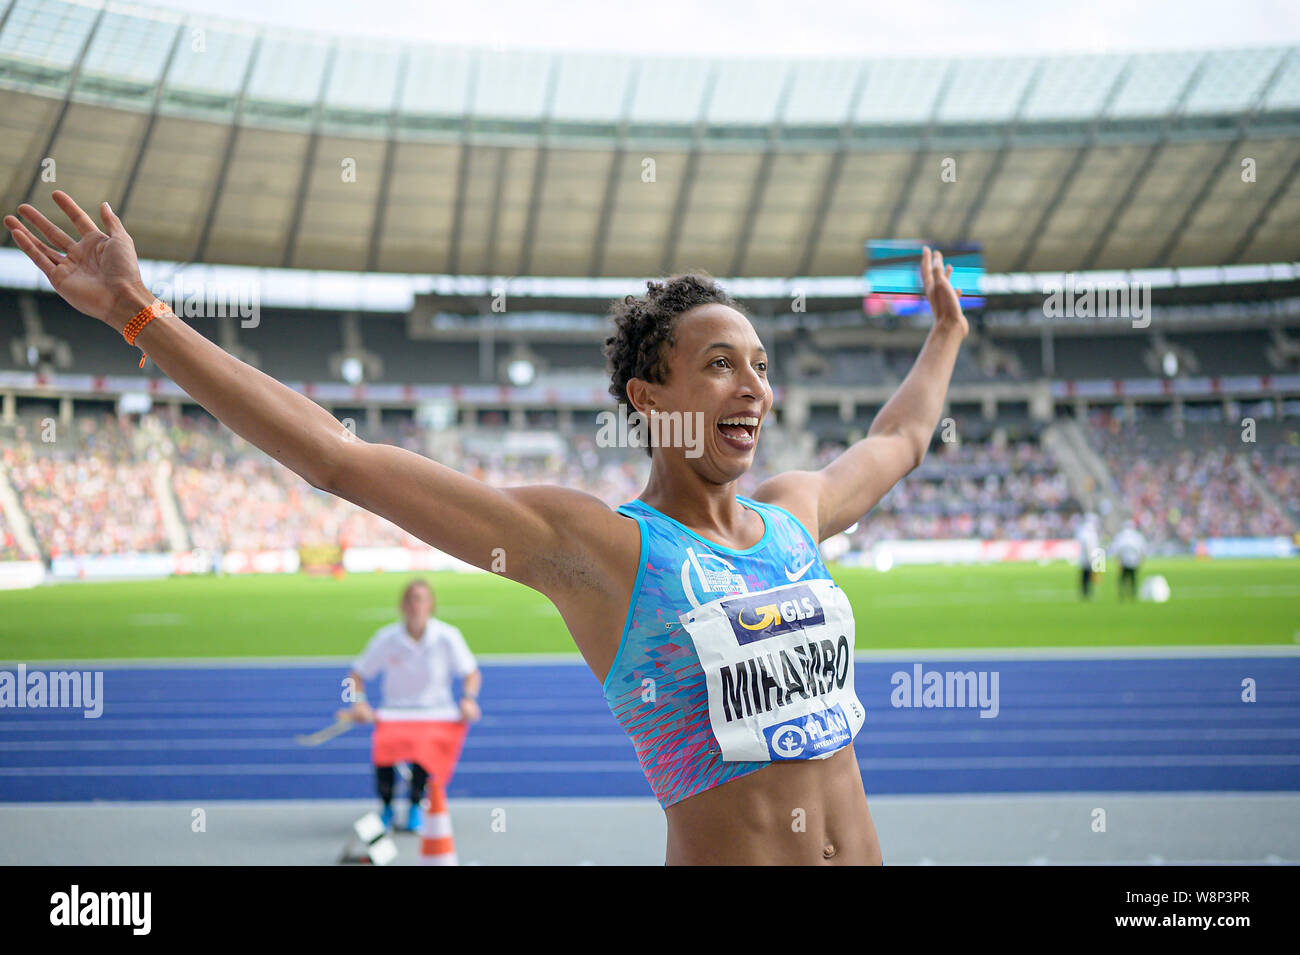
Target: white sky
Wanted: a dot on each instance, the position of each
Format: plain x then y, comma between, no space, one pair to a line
790,27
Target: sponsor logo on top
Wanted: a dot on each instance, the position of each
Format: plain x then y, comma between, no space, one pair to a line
759,616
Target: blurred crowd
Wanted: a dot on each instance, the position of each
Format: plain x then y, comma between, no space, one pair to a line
88,487
9,547
1279,468
994,490
1183,487
231,496
234,497
95,488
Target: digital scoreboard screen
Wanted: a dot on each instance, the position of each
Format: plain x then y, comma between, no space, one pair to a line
893,274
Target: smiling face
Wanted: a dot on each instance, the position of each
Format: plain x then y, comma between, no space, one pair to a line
716,366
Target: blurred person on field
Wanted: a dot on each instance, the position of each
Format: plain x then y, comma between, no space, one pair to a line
420,721
1130,548
1089,540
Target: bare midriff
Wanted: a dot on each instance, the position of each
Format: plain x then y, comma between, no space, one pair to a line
801,812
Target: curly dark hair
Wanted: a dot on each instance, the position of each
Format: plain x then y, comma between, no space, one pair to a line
643,327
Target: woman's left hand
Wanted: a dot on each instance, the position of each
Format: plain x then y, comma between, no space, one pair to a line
945,301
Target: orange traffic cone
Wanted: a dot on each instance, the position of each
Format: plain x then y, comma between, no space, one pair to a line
436,845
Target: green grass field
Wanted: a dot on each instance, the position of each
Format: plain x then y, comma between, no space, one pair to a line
1008,605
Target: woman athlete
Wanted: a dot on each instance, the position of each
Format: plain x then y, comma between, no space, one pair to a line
724,648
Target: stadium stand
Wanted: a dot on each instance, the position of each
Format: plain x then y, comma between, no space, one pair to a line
233,497
1277,463
841,140
90,491
995,490
414,361
9,549
1185,484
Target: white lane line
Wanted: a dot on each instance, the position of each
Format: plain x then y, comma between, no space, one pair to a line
287,743
629,765
557,658
963,764
1036,654
972,736
485,802
863,655
309,709
975,736
1074,761
1139,703
1141,799
919,717
217,724
181,663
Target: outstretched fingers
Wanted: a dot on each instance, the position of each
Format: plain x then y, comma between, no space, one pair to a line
83,223
42,255
56,236
933,270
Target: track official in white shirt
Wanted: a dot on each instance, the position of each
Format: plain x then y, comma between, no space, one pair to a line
420,722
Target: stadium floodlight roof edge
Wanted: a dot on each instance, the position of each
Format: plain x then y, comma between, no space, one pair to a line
376,98
396,40
396,292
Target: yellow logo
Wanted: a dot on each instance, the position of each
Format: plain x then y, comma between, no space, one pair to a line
767,616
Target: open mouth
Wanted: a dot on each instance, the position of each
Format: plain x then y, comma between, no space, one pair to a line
738,431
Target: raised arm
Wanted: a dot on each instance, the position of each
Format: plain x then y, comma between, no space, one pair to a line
838,495
539,536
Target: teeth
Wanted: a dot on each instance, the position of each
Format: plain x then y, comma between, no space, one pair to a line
751,422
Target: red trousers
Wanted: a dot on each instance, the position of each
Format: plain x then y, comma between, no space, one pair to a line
434,744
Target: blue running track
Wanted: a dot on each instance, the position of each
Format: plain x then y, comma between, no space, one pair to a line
1065,725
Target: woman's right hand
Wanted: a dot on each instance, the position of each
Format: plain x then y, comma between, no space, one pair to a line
98,274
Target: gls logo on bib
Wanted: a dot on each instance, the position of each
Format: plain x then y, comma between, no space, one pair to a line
770,614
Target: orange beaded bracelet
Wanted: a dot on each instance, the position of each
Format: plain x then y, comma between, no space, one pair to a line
142,318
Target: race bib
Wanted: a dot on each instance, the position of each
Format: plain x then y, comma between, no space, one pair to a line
778,665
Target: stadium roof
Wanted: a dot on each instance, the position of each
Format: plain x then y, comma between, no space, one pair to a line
231,143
